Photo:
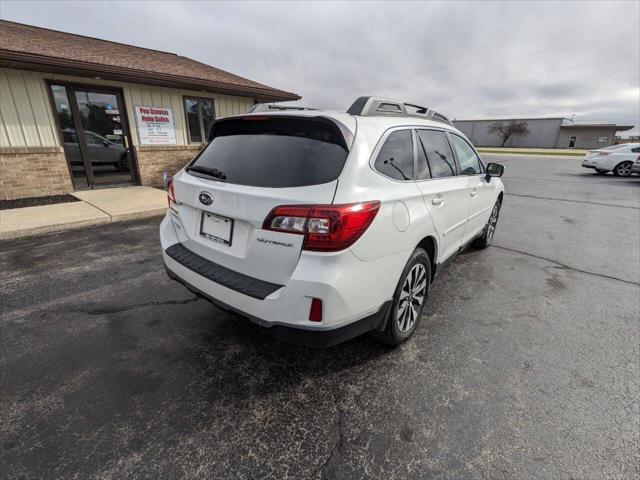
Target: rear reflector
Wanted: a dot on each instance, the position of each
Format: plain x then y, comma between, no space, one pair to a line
315,312
327,228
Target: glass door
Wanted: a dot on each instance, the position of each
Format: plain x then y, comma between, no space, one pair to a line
94,130
69,135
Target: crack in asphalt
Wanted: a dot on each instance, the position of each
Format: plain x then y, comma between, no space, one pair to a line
153,303
567,267
337,446
572,201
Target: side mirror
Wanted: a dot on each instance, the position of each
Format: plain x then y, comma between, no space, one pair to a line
105,143
494,170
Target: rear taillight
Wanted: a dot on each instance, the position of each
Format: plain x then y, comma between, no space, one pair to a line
326,228
171,193
603,154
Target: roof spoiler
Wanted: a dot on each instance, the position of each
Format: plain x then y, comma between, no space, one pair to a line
380,106
272,107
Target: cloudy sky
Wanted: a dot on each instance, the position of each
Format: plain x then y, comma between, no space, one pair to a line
467,59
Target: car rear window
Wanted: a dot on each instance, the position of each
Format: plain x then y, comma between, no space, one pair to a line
277,152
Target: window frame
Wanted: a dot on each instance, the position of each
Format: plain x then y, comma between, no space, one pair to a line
380,144
203,135
483,168
415,138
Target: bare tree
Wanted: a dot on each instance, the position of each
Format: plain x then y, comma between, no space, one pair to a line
506,130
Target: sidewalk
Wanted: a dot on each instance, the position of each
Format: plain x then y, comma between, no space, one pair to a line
556,152
96,207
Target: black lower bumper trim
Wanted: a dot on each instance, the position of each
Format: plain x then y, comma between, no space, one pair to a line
328,338
239,282
299,336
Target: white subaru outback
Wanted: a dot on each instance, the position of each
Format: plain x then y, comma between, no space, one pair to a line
322,226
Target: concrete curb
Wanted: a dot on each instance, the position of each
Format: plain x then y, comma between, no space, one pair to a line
98,207
61,227
75,225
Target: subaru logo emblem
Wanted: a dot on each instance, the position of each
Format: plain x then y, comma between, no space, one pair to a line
205,198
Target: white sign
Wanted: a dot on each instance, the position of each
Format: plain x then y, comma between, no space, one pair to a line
155,126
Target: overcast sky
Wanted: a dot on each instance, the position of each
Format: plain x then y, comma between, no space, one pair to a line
467,59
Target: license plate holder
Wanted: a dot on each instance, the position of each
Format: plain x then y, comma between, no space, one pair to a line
217,228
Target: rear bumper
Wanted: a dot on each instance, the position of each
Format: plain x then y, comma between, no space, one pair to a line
352,291
307,337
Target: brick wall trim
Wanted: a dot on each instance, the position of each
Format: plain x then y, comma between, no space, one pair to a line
33,172
40,171
29,150
168,148
153,161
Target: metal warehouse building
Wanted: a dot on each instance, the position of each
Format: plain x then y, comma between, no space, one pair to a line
79,112
544,133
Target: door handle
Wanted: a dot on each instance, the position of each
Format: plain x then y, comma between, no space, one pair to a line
474,193
437,200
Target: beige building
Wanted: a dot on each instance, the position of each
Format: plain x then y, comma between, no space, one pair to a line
79,112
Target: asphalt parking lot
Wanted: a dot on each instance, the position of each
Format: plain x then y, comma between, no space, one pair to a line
526,364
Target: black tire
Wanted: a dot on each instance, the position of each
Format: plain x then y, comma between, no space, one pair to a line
394,334
487,234
123,163
623,169
601,172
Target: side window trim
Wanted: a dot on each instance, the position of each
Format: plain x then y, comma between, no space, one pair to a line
455,155
378,148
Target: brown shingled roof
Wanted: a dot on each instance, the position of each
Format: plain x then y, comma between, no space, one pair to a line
26,46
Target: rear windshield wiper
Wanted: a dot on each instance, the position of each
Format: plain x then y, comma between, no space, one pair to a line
212,172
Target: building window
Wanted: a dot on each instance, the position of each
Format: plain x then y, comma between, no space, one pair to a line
200,116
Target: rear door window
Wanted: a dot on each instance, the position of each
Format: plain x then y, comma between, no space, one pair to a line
438,154
276,152
395,159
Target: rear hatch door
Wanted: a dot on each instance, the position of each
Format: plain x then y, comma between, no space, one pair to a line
251,165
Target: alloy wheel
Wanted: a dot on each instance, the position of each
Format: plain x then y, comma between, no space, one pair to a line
412,296
624,169
493,222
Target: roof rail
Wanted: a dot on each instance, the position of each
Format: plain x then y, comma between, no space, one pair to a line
380,106
266,107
